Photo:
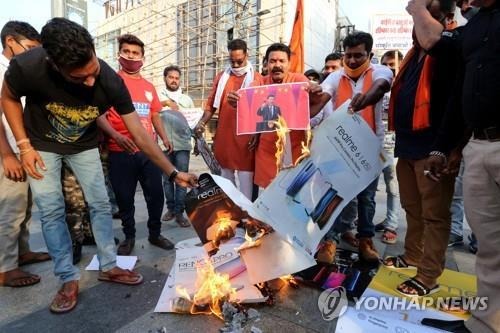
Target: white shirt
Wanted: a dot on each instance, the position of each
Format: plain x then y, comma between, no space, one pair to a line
331,85
4,64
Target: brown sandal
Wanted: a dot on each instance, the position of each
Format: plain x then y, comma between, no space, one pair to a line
33,258
350,239
64,301
19,279
123,276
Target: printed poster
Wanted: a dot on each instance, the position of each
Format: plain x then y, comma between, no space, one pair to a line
259,107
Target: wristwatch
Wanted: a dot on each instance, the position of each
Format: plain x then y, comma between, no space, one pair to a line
173,174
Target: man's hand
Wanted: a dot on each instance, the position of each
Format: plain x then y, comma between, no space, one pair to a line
416,5
454,160
232,98
200,128
171,104
315,92
125,143
358,102
185,179
434,166
31,160
254,141
169,147
13,169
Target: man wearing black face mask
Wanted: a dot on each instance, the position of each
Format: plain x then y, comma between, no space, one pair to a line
128,165
67,87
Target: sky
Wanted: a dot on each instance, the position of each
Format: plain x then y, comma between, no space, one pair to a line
360,11
37,12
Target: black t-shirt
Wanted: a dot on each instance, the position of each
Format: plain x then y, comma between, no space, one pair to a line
411,144
60,116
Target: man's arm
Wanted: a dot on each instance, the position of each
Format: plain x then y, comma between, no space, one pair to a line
373,95
124,142
427,29
13,109
153,151
158,125
317,105
11,166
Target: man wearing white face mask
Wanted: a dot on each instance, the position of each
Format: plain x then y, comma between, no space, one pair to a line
235,153
128,165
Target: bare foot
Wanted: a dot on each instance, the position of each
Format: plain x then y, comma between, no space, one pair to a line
17,278
33,258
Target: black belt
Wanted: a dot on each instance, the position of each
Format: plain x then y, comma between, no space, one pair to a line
490,133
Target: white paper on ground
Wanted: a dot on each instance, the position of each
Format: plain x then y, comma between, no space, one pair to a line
125,262
356,321
274,258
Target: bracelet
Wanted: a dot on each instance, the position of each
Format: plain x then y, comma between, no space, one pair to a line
173,174
20,142
25,151
440,154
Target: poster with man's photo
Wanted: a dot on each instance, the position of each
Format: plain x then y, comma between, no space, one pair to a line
259,108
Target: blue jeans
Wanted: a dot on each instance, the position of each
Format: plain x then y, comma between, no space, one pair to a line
457,204
175,195
393,204
125,170
48,196
363,205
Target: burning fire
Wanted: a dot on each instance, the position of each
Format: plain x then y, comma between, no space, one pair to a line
212,290
305,151
281,131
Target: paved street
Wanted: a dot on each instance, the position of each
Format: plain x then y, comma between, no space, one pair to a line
105,307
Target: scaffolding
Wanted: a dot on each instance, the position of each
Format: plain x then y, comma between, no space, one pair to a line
192,34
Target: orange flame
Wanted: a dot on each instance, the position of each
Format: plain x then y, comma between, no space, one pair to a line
305,151
212,288
281,131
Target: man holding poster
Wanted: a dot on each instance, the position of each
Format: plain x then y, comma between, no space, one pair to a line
366,84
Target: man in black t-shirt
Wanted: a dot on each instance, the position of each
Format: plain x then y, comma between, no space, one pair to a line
67,87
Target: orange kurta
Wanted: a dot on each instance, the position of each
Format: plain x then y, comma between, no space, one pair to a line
265,156
230,150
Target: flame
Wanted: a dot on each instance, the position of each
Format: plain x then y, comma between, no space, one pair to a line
305,151
286,278
281,131
212,289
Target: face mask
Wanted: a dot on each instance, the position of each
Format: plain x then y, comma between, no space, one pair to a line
239,71
130,66
355,73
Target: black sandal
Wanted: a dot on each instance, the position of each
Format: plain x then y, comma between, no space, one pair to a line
397,262
417,286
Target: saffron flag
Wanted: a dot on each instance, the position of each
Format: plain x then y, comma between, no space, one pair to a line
297,40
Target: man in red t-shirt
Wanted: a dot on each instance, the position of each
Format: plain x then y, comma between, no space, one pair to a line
129,165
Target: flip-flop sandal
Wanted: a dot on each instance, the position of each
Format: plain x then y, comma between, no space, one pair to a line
389,237
37,257
350,239
22,281
124,277
396,262
64,302
415,285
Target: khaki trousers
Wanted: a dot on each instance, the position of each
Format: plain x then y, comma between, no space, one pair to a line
481,185
427,206
15,215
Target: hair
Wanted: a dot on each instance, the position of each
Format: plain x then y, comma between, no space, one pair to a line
278,47
447,6
392,54
68,44
130,39
171,68
271,95
237,44
312,72
357,38
333,56
19,30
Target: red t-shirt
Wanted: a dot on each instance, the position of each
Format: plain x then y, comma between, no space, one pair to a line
146,103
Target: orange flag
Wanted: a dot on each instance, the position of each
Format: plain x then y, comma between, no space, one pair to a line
297,40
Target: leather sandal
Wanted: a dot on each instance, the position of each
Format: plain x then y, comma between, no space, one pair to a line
64,301
123,276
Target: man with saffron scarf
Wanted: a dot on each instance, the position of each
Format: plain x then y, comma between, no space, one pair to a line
366,84
266,168
418,100
233,152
